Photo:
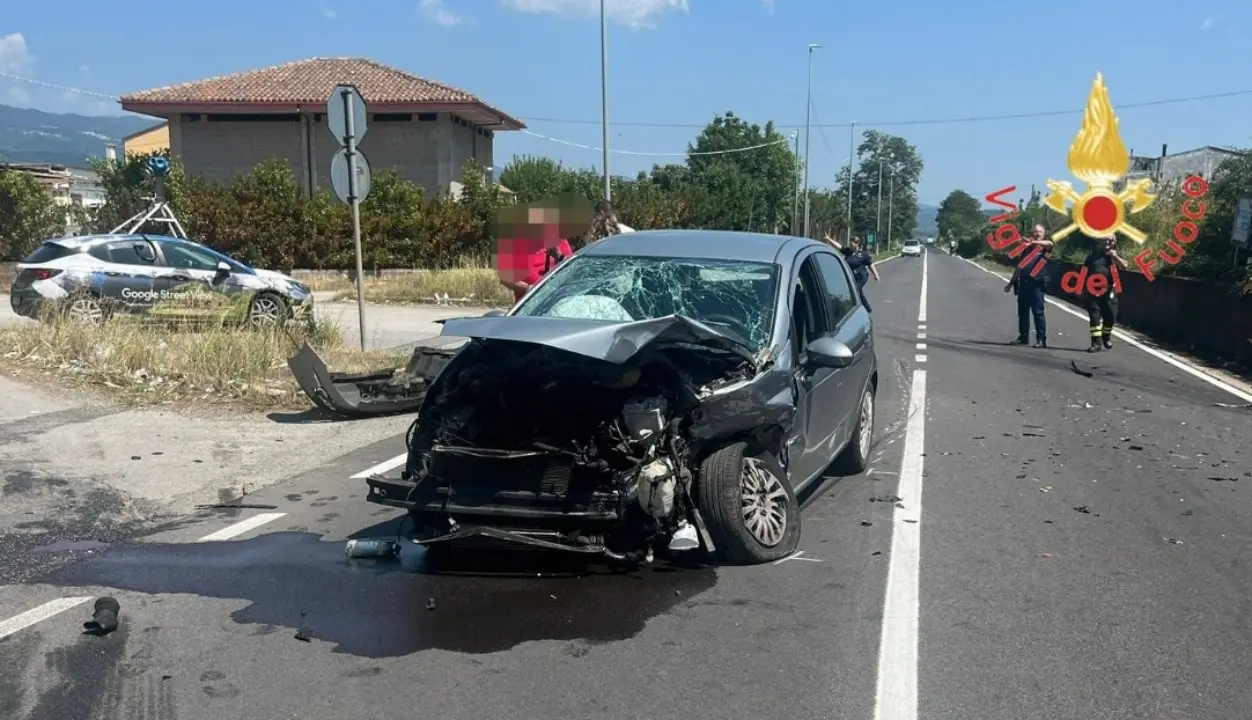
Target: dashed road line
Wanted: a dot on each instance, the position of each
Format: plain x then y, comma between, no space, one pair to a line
241,527
39,614
1166,357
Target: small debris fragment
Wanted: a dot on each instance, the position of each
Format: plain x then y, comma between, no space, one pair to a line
1173,541
1021,476
1045,488
886,498
876,552
1083,509
135,457
1236,406
552,596
104,618
430,604
1187,513
910,521
979,437
303,636
1049,522
1084,373
1045,555
866,523
1030,434
1219,478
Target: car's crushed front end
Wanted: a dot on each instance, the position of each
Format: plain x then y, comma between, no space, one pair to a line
580,436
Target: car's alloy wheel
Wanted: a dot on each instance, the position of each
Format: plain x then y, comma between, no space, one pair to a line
85,310
267,310
764,503
865,429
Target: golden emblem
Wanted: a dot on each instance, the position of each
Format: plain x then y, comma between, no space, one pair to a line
1098,158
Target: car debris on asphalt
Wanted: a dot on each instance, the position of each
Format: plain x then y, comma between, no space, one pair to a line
104,618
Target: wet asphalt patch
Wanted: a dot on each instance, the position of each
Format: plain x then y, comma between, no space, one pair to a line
384,608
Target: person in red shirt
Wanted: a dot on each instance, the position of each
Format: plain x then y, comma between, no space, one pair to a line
535,255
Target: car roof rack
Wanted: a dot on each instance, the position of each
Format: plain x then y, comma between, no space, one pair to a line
159,210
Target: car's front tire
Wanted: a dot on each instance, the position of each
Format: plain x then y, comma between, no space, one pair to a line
268,310
748,505
855,457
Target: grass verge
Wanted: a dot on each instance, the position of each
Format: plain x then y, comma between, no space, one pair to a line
142,364
470,286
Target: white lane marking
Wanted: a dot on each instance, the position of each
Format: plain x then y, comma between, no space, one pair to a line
241,527
921,346
1162,355
39,614
920,357
921,336
921,311
897,651
382,467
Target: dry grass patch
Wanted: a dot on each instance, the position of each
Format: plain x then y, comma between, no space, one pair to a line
470,286
146,364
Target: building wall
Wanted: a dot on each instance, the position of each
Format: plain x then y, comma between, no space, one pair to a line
1176,168
155,140
426,149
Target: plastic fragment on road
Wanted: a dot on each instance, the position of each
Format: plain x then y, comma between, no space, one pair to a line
104,618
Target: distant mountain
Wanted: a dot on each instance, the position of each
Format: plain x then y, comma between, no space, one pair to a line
35,136
927,220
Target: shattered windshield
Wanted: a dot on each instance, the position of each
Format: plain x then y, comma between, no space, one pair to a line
729,295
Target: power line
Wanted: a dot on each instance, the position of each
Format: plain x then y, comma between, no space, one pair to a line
892,123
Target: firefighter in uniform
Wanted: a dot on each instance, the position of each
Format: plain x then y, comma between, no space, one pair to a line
1102,308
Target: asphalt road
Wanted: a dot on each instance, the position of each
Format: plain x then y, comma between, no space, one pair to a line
990,597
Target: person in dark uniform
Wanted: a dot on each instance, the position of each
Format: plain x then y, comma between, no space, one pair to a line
1102,308
860,261
1031,289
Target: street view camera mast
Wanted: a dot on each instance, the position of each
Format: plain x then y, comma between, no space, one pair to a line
159,210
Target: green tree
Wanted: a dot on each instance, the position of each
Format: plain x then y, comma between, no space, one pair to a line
28,215
739,188
891,164
960,219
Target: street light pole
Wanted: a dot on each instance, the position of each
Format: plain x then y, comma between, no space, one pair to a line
808,114
851,163
878,231
604,98
795,208
891,197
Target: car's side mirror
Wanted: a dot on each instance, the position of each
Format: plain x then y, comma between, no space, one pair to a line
223,268
828,352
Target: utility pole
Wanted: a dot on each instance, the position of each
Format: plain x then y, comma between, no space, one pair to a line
891,196
795,209
878,231
851,165
604,98
808,114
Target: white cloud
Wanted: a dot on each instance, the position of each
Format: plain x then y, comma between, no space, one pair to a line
769,6
15,58
435,12
328,12
1208,23
18,96
634,14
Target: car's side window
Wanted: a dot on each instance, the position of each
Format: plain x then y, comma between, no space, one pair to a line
808,307
125,253
840,297
181,256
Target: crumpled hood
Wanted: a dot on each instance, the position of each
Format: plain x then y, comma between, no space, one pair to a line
611,342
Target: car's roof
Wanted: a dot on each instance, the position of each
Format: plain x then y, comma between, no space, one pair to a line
78,241
712,244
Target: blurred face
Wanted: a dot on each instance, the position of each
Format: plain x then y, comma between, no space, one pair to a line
1039,232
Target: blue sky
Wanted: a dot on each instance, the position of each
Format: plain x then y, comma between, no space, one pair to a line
679,62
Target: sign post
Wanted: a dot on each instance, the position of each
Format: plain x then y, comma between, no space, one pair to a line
1243,221
350,172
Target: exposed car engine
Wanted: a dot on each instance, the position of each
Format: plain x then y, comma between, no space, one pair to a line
567,450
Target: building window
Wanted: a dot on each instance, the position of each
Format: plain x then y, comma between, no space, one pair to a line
259,117
427,117
393,117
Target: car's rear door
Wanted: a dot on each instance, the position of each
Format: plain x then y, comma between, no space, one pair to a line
124,273
850,325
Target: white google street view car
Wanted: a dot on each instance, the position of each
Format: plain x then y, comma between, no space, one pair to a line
91,277
912,248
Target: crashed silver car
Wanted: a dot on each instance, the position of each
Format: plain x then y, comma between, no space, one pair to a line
659,392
